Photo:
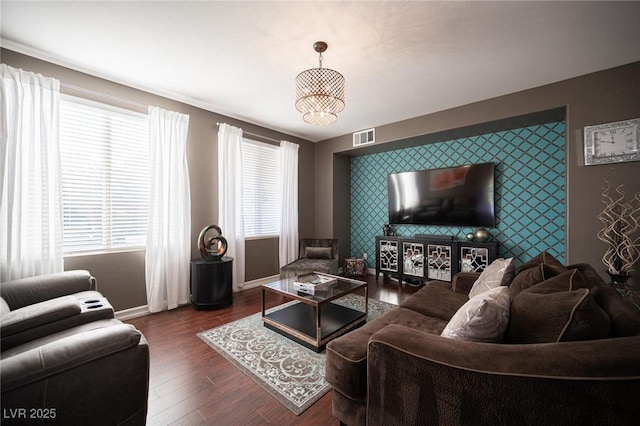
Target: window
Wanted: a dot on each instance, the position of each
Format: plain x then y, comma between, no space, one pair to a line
105,176
261,193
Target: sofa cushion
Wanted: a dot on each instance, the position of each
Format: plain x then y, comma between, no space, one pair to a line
625,318
555,310
53,356
499,273
346,362
543,257
305,266
33,344
532,276
318,253
436,299
484,318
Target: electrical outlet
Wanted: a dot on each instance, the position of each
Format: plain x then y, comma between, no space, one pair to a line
364,256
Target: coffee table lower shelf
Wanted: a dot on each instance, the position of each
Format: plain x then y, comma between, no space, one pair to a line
298,323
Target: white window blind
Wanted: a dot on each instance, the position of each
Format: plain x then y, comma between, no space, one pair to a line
105,176
261,189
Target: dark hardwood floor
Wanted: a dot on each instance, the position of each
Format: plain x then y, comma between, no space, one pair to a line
191,384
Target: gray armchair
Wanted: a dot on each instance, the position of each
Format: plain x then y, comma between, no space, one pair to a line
35,307
64,359
315,255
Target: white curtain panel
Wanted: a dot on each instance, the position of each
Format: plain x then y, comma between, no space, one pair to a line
289,200
30,194
230,208
168,254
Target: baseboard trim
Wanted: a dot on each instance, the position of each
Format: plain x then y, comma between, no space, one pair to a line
127,314
258,282
140,311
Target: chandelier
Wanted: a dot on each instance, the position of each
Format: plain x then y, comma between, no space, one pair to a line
320,92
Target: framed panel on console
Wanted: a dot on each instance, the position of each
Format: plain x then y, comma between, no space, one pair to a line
474,256
388,255
441,260
413,259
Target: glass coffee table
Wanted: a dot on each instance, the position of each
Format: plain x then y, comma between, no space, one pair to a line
313,320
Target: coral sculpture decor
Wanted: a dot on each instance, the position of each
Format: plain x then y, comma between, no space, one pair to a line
213,247
621,220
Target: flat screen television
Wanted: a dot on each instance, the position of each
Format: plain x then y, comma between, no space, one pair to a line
453,196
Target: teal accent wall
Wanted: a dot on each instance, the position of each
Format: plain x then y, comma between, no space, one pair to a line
529,189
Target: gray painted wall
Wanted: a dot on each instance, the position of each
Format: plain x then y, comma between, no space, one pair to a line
606,96
121,275
324,210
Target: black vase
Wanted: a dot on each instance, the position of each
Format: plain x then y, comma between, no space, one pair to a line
620,279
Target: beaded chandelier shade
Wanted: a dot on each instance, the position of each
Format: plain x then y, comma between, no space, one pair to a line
320,92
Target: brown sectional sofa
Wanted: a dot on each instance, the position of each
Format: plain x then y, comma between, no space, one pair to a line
398,370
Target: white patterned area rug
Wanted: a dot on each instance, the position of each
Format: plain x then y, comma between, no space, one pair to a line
291,373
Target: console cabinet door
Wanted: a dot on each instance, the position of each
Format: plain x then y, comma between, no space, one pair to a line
413,256
474,257
441,261
388,255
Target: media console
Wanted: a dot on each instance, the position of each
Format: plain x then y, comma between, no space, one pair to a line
425,259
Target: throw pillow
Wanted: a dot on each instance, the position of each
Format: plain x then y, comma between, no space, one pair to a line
499,273
318,253
484,318
532,276
557,310
543,257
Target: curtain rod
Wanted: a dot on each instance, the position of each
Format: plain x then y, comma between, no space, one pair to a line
103,95
255,135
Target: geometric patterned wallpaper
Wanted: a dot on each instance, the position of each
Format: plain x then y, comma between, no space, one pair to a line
529,189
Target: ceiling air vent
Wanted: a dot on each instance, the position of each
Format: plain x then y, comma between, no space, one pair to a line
364,137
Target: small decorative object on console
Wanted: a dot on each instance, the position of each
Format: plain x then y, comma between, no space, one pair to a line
482,235
215,247
471,236
612,142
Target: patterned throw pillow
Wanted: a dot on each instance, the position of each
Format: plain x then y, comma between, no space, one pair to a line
484,318
499,273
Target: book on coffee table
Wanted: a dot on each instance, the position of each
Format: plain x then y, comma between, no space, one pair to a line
312,283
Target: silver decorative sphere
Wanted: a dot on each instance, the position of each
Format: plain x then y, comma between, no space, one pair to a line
471,236
482,235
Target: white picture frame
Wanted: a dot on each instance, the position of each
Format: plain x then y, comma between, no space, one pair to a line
614,142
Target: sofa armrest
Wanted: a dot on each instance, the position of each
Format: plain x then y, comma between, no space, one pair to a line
420,378
27,291
463,281
38,314
70,352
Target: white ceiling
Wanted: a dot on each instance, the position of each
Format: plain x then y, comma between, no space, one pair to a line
400,59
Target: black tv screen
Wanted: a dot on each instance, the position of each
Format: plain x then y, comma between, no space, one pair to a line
454,196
